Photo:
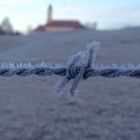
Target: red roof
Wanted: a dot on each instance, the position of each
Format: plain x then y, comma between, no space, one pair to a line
40,28
63,23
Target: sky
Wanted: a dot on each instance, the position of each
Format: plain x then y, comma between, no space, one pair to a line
107,13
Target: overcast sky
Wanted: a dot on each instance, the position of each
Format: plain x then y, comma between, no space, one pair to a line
107,13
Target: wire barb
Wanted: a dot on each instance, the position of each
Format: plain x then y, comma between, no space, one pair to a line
83,60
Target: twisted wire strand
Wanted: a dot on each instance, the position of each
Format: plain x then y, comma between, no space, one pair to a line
79,67
108,71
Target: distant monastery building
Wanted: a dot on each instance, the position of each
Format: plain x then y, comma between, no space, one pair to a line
59,25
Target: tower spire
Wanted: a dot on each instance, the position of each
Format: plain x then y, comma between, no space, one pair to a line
50,13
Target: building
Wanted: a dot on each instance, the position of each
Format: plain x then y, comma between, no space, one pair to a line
59,25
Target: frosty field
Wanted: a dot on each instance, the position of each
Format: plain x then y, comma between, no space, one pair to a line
103,109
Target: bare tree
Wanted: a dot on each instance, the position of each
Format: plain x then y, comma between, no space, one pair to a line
6,26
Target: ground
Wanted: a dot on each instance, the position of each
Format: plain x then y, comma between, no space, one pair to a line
103,109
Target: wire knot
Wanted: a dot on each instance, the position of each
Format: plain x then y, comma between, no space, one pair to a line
77,66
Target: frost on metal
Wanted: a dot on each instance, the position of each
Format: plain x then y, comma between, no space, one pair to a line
79,67
82,61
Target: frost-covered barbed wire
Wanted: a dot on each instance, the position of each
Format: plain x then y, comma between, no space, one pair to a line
79,67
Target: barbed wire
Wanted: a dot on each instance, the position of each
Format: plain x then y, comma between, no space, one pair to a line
79,67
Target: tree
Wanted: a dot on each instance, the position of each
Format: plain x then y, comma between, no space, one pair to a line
6,26
92,26
29,29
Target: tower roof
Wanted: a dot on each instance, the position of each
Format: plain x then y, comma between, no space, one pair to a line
50,7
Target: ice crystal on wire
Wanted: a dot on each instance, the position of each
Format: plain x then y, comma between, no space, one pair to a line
83,60
79,66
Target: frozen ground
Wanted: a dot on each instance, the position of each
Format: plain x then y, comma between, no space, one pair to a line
103,109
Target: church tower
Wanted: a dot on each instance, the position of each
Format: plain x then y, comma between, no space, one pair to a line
50,13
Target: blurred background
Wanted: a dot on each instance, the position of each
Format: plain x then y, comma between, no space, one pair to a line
26,15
